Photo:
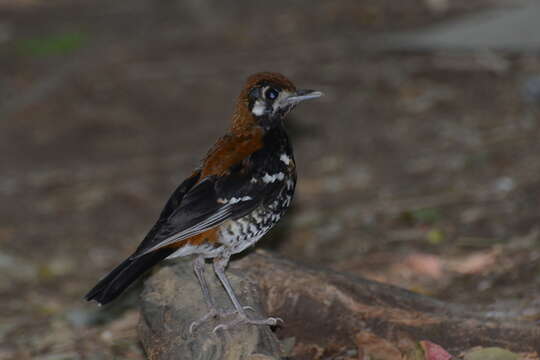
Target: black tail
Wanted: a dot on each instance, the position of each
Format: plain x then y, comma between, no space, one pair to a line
123,275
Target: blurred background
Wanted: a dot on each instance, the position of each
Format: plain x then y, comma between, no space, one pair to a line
420,167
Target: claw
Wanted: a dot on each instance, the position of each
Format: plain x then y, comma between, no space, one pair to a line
216,313
212,313
242,319
277,320
220,326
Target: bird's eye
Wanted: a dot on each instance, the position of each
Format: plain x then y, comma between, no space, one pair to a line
272,94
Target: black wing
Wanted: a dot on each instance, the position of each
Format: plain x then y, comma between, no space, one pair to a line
212,201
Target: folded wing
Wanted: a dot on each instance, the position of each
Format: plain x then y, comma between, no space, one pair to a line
212,201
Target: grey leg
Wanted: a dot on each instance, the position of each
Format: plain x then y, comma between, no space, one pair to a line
220,263
198,268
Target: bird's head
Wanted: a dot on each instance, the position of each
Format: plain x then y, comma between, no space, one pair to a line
267,98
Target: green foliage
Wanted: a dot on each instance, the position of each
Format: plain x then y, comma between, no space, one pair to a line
435,236
57,44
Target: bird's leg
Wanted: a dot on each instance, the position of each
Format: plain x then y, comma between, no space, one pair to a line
198,268
220,263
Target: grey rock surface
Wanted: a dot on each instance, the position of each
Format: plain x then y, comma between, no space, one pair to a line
172,300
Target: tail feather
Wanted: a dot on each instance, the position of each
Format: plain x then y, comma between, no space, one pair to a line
112,285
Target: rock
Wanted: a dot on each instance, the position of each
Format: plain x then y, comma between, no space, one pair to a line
172,300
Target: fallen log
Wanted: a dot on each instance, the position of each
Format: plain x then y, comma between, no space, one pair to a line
325,312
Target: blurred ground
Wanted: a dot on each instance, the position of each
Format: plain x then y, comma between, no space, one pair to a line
418,168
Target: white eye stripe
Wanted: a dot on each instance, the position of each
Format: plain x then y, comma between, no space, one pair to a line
281,100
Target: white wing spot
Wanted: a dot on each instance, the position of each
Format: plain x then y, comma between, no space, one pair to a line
267,178
285,158
235,200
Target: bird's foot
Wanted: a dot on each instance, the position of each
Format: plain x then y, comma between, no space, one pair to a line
242,318
213,313
209,315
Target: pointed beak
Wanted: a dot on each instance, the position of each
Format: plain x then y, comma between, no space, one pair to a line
302,95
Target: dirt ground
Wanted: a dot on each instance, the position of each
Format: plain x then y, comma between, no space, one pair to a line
419,169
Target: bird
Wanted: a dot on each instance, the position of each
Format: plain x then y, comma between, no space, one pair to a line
239,191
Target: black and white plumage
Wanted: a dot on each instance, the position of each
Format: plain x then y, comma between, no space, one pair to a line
241,190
